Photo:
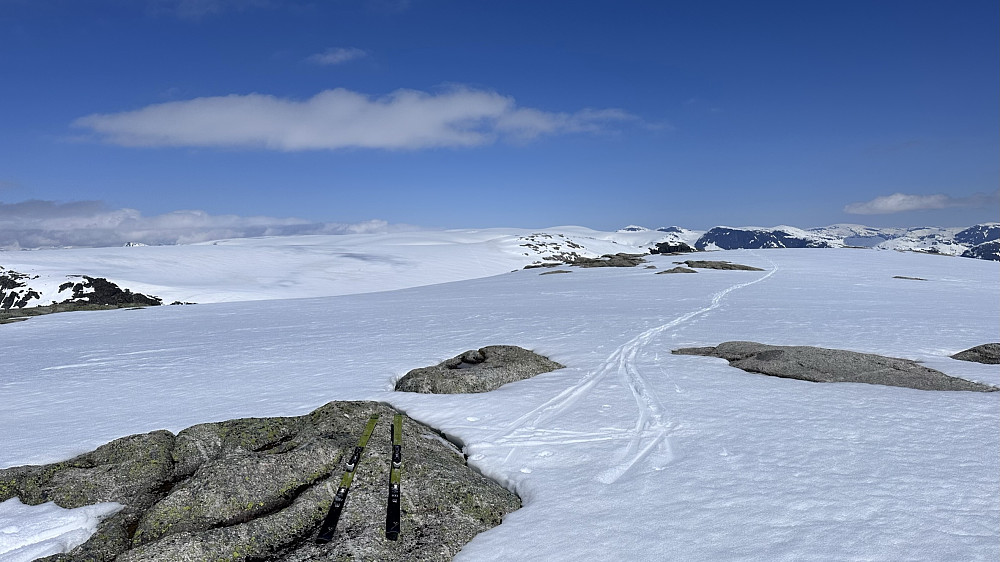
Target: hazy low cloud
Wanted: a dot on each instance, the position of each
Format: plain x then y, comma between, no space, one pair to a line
42,224
902,202
336,119
338,55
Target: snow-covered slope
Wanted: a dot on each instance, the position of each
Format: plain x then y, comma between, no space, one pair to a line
311,266
629,453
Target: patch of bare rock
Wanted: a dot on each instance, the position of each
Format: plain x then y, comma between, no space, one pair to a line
819,364
706,264
258,489
677,269
988,353
477,370
607,260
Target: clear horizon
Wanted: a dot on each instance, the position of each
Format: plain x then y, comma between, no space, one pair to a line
185,114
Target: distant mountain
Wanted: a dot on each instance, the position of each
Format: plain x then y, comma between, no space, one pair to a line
725,238
985,251
933,240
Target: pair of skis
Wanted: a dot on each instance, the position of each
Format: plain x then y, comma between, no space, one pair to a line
329,525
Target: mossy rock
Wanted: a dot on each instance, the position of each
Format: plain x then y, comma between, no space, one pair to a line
258,489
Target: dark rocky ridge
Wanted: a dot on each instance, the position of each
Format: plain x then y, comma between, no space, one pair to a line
736,238
258,488
476,371
14,292
98,290
988,353
674,247
819,364
975,235
985,251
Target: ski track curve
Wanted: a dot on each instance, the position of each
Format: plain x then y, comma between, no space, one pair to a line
649,438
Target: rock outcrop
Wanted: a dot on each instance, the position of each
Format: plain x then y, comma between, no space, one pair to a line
985,251
258,489
703,264
672,247
14,291
98,290
819,364
475,371
988,353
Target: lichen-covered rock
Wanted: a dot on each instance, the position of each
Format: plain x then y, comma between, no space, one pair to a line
819,364
479,370
258,489
988,353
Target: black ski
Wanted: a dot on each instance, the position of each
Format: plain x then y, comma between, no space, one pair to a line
392,512
333,516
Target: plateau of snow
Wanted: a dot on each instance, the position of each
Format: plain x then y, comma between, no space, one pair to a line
628,453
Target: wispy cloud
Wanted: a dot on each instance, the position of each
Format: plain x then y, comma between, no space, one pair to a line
340,118
902,203
40,224
338,55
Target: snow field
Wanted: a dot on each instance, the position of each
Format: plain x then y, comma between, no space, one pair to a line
630,453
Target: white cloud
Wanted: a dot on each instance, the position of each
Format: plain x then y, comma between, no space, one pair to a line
902,202
338,55
340,118
38,224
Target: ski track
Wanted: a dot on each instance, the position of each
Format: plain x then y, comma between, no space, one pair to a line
650,436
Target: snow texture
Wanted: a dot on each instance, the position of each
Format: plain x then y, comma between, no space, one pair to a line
627,451
30,532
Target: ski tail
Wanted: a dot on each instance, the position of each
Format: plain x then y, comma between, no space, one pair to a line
392,510
329,525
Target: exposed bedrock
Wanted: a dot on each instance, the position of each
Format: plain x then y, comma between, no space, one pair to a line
258,489
477,370
988,353
819,364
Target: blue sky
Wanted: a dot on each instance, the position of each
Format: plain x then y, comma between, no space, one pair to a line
446,113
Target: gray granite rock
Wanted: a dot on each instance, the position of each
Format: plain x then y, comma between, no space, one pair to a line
258,489
677,269
706,264
819,364
479,370
988,353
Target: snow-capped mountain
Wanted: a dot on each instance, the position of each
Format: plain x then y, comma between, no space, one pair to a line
934,240
726,238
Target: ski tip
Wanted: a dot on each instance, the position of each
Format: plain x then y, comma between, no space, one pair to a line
392,536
